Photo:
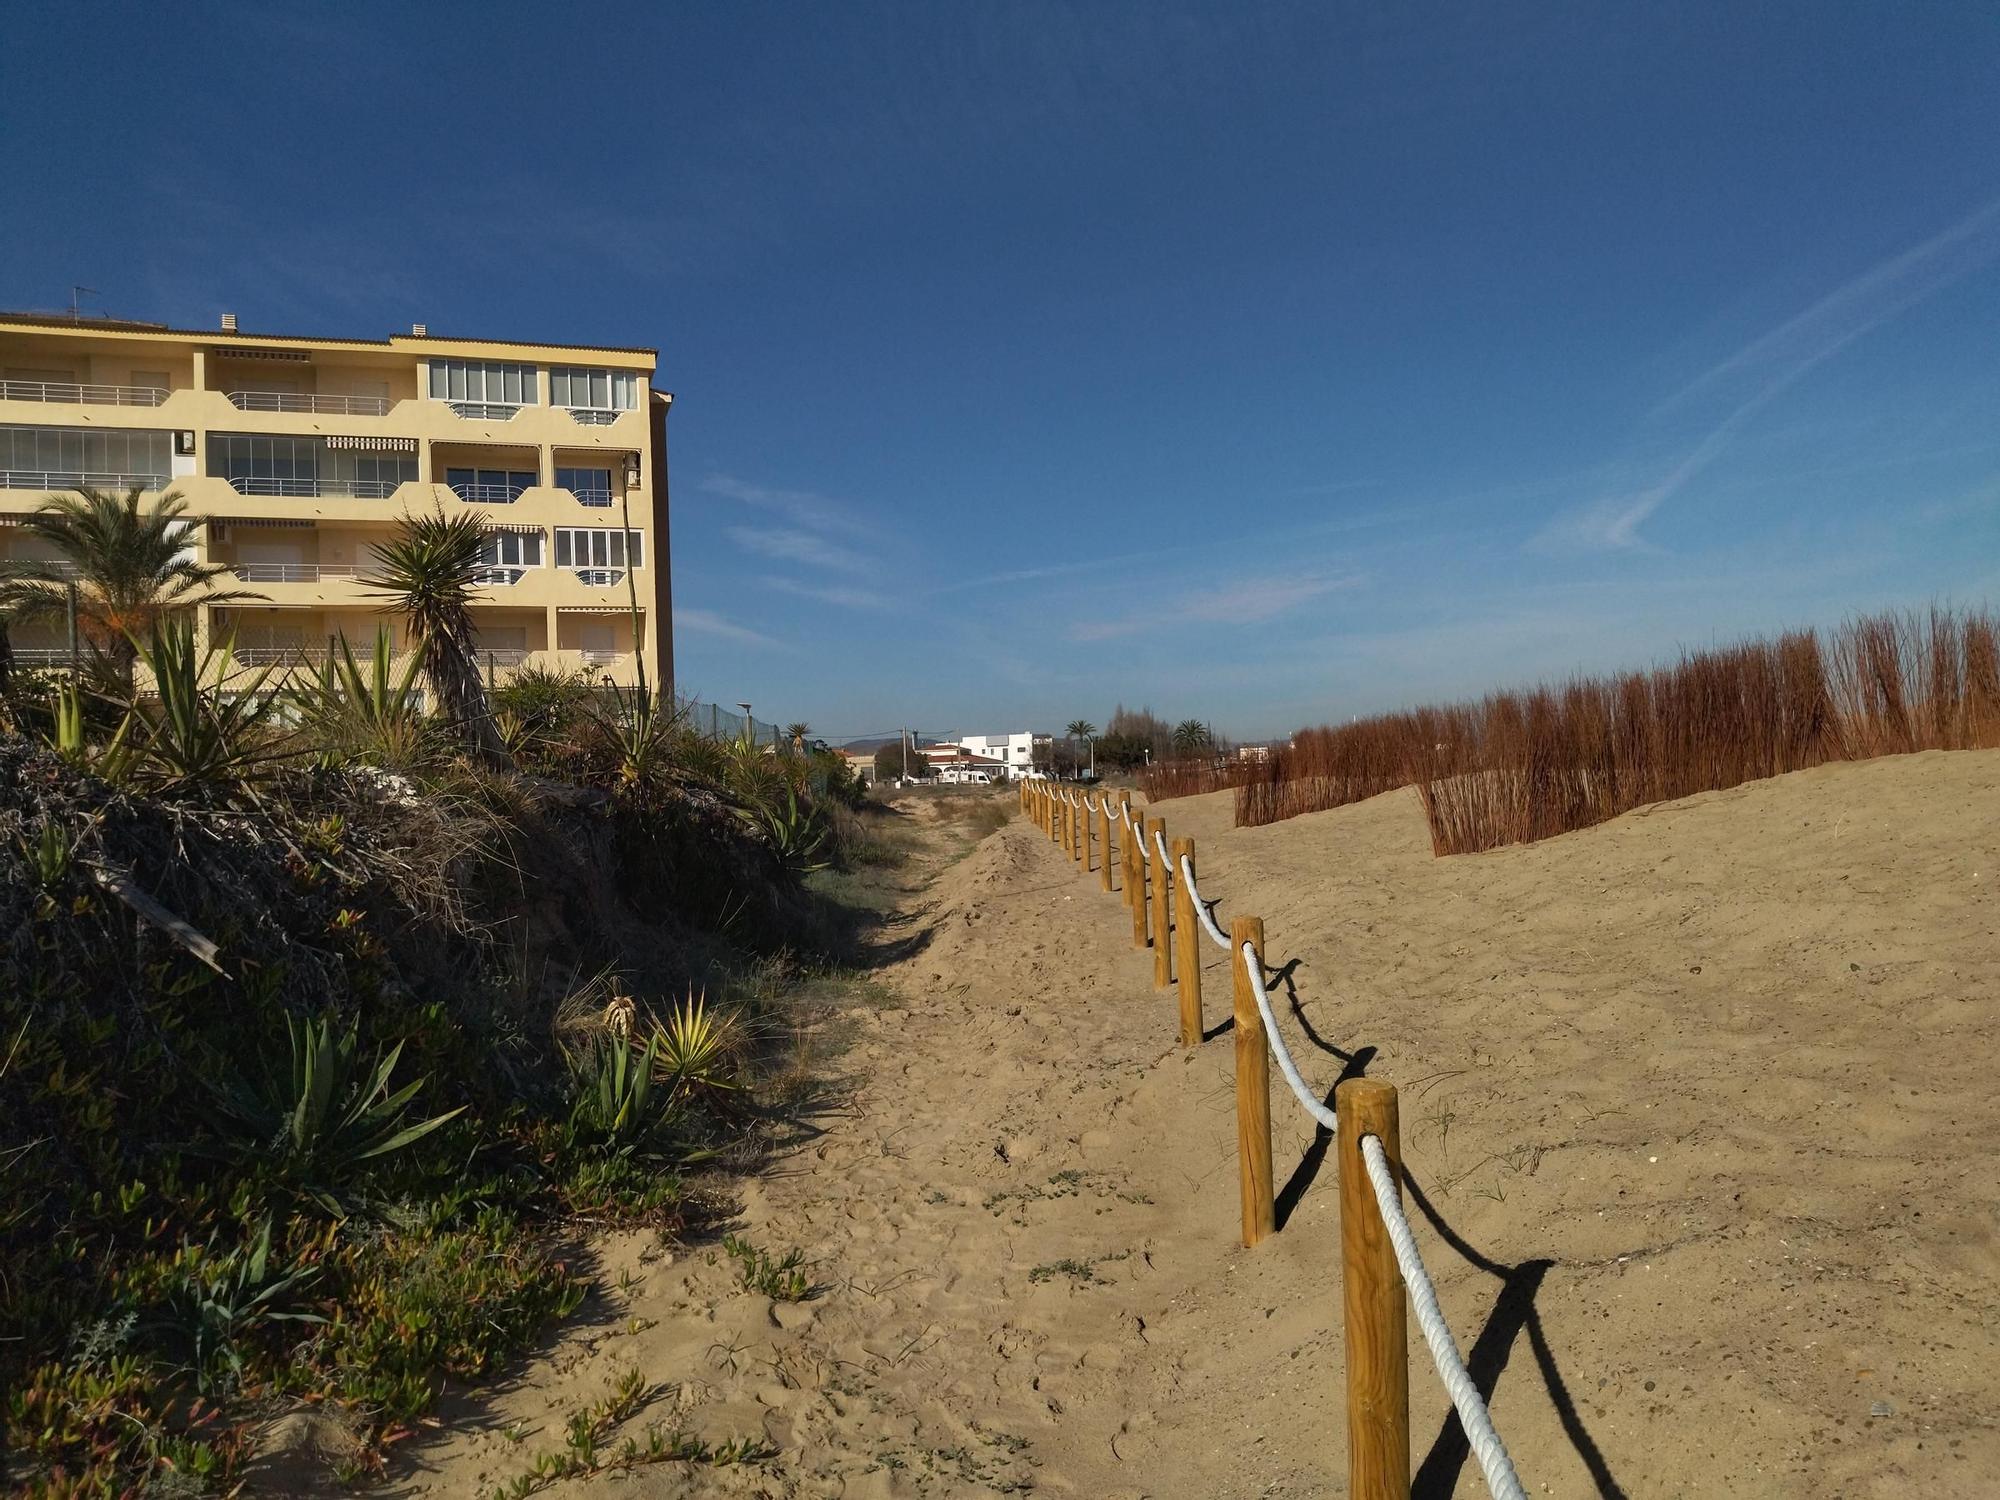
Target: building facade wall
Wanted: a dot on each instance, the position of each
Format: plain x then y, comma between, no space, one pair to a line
297,455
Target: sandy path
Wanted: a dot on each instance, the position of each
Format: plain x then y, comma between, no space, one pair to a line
1707,1089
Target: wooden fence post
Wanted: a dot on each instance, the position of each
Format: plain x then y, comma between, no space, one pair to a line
1136,863
1083,832
1104,840
1125,850
1187,946
1253,1089
1163,914
1378,1363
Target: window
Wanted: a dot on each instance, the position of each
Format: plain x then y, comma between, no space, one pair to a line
493,385
258,465
105,452
593,390
156,379
579,547
591,486
512,549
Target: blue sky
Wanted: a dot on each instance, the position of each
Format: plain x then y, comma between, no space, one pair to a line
1267,364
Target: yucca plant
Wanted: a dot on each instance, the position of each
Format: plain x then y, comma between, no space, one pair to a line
697,1045
639,734
374,714
316,1124
209,729
429,572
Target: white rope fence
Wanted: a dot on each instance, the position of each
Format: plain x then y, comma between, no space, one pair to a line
1472,1415
1501,1480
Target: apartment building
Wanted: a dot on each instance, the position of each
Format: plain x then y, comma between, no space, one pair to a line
296,455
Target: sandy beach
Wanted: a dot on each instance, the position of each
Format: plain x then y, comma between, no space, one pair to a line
1700,1103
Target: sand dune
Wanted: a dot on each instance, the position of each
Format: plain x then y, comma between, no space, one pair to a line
1703,1096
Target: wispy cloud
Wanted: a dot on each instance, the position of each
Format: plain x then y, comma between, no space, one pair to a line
1248,602
784,544
1776,361
847,598
707,622
807,508
1869,300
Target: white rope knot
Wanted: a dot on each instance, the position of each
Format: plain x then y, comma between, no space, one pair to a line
1494,1463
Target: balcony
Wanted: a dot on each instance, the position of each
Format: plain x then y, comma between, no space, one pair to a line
292,572
354,489
81,395
591,416
483,411
602,578
487,494
49,479
498,577
334,406
598,498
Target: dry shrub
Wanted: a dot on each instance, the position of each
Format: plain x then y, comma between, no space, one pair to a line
1527,765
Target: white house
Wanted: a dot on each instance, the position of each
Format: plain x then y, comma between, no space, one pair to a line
1016,752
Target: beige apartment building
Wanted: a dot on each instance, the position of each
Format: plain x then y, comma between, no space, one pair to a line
296,455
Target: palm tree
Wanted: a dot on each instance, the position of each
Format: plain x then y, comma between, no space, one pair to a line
797,734
428,568
1191,737
126,569
1083,729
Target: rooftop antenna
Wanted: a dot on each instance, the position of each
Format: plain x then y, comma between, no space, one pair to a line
76,294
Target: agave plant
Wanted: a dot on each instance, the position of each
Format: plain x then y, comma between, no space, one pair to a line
374,715
316,1124
111,761
211,728
796,831
614,1093
640,734
212,1302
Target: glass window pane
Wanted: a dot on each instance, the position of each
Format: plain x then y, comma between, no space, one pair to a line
637,543
457,381
562,549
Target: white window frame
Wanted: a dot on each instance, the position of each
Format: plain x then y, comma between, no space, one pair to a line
598,548
443,370
493,551
621,388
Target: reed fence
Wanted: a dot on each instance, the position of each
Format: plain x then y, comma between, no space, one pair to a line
1526,765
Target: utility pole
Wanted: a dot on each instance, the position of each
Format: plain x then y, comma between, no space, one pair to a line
906,752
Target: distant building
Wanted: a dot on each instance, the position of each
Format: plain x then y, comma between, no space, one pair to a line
956,763
1015,752
1257,753
861,763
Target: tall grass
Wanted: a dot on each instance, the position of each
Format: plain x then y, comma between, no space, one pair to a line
1529,764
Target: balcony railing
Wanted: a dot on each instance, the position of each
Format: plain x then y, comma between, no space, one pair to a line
599,498
333,406
51,567
602,578
487,494
503,656
604,658
72,479
483,411
498,577
593,416
81,395
355,489
292,572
